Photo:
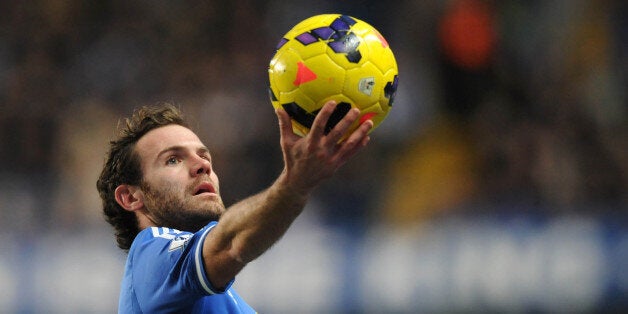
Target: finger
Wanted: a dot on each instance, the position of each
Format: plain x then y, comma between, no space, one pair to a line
341,128
359,134
285,124
356,141
318,126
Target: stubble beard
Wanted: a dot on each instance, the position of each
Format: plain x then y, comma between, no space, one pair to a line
168,208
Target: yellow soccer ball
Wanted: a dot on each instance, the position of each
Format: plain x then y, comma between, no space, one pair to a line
333,57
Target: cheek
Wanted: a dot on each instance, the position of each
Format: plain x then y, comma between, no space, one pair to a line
215,179
170,183
168,176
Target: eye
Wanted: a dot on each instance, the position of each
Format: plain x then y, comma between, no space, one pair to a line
172,160
205,155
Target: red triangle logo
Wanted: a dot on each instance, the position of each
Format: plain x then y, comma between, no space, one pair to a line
304,74
382,39
367,116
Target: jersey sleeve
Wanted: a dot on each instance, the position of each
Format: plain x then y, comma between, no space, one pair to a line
167,268
199,266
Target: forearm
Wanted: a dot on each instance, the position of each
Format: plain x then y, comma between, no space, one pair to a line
250,227
254,224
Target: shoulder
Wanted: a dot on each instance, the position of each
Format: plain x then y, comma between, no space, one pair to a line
164,257
164,237
173,238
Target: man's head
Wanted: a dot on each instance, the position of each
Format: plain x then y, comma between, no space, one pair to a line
158,173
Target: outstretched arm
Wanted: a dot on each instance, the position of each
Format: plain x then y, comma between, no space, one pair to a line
248,228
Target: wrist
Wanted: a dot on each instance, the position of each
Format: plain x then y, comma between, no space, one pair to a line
288,189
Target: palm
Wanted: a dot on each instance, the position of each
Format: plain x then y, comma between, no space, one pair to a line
315,157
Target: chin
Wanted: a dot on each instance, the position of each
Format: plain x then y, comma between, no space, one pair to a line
191,220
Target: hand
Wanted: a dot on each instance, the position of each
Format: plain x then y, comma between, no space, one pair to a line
309,160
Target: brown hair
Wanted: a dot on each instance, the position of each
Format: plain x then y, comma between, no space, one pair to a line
122,166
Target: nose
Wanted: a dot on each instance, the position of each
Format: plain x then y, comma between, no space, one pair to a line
201,166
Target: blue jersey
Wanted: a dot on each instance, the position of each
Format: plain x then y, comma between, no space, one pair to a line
164,273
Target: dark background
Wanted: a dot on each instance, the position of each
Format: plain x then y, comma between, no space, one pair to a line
497,183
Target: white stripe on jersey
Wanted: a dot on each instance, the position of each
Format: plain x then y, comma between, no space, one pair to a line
199,260
233,298
155,231
165,233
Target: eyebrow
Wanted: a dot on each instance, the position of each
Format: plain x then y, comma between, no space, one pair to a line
179,148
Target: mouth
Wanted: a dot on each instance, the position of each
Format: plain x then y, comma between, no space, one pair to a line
204,187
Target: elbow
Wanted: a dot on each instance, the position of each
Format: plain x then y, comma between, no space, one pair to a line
243,252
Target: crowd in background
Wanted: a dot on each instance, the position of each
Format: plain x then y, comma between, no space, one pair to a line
503,107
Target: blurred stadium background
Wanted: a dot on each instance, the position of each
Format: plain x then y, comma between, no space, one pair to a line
497,184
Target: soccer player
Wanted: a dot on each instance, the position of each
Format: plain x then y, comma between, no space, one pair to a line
162,196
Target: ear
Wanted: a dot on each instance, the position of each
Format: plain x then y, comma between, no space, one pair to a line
129,197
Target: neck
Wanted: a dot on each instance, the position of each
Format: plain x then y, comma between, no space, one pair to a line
144,221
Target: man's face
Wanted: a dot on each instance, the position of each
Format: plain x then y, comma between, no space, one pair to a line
180,189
